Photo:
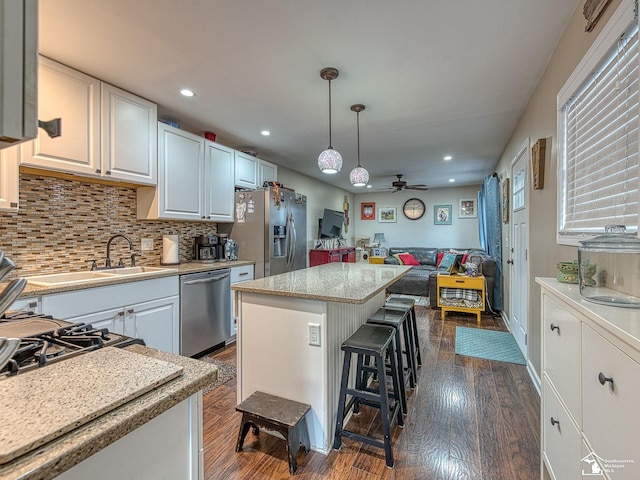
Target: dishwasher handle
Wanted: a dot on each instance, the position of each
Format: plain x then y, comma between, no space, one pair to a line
207,280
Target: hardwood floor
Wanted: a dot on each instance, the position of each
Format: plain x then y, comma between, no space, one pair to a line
468,418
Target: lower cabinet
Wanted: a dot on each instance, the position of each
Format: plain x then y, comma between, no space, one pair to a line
238,274
590,388
146,309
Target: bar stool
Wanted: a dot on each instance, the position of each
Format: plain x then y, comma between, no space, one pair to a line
378,342
397,302
399,321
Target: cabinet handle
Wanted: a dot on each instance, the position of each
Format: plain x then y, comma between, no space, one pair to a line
33,304
108,172
459,281
98,171
555,327
554,422
130,311
243,274
120,314
602,379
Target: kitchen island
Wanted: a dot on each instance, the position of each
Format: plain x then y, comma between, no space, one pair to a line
291,327
156,435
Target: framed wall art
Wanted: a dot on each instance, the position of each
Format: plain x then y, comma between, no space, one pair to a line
505,201
467,208
387,215
368,211
442,214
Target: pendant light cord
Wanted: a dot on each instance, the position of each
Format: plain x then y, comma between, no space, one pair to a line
358,125
330,143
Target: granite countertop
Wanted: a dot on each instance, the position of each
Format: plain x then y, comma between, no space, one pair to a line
64,452
332,282
182,269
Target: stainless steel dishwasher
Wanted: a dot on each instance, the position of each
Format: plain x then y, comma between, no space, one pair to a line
205,311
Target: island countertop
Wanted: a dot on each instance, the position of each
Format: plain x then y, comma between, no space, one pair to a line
354,283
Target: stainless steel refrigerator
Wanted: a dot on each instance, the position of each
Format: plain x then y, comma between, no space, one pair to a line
271,228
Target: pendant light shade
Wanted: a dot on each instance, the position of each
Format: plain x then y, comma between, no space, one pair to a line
329,161
359,176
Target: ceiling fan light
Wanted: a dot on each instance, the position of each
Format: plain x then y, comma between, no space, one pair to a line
330,161
359,177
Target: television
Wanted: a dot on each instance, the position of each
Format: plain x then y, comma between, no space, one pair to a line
332,221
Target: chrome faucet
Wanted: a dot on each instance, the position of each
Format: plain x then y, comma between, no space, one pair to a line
133,255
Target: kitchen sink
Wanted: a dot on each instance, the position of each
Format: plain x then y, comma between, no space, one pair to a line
67,278
57,279
138,270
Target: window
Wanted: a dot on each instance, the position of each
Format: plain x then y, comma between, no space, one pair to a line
598,132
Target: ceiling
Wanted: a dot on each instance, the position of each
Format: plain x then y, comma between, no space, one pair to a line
437,77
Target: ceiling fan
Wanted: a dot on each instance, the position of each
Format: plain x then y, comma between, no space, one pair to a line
399,185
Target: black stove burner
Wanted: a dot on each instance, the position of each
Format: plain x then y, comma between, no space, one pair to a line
43,348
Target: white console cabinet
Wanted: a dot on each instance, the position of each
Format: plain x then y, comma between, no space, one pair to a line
590,386
148,309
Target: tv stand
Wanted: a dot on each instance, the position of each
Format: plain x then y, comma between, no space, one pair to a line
320,256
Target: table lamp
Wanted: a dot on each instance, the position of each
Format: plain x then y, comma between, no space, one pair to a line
378,239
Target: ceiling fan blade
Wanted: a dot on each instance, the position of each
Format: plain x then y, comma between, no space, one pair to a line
417,187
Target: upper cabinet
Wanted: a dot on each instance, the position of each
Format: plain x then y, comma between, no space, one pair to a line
105,132
195,179
9,178
251,172
246,170
18,71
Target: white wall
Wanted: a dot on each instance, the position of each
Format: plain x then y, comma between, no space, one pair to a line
320,195
463,232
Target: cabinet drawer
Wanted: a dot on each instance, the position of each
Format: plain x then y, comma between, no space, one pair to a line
458,281
240,274
610,420
561,442
561,353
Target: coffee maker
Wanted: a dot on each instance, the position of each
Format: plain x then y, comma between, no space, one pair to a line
205,248
222,240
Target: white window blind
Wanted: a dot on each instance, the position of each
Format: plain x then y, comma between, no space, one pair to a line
600,124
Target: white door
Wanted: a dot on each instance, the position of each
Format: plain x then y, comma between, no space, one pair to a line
519,247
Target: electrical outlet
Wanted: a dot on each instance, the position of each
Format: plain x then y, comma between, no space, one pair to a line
314,334
146,244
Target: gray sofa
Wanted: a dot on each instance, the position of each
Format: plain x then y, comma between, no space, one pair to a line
421,279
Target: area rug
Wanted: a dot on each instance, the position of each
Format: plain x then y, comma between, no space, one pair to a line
226,372
421,301
488,344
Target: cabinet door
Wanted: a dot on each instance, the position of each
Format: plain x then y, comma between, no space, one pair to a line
246,170
129,136
268,172
112,319
218,167
9,178
238,274
75,98
156,322
29,304
610,420
180,174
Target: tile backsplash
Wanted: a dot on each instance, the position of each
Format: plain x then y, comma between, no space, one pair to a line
64,223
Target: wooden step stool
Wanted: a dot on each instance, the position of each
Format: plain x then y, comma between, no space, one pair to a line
288,418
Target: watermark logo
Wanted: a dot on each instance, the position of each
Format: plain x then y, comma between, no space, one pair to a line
595,466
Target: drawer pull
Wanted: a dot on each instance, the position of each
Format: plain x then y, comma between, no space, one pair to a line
554,422
555,327
459,281
602,379
243,274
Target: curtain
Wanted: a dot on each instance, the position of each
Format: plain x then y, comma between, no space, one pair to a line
490,231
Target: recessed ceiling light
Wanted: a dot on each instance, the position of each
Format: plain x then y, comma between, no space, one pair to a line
451,180
266,133
448,157
187,93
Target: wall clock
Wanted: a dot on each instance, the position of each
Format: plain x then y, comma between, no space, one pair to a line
413,208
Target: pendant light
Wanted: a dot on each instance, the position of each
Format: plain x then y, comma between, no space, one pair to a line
329,161
359,176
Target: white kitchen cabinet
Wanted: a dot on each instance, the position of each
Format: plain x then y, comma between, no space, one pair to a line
18,71
9,178
105,131
219,191
246,170
180,189
267,172
238,274
147,309
590,388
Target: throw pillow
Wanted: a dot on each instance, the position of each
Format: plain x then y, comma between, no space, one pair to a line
439,259
408,259
397,257
447,261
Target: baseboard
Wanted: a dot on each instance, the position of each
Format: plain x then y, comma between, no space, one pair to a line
535,379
